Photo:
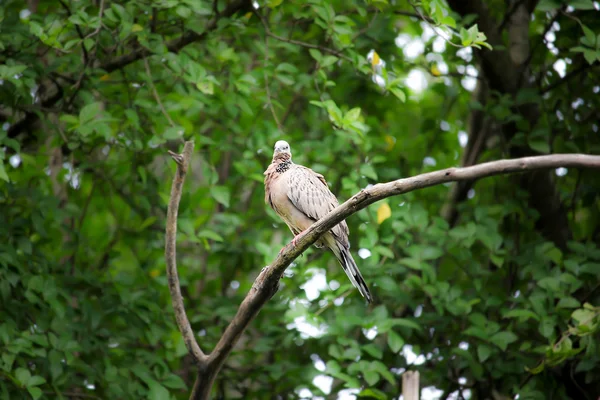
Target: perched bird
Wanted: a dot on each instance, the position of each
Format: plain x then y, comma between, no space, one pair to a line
300,197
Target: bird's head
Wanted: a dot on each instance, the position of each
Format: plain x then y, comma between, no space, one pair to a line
282,150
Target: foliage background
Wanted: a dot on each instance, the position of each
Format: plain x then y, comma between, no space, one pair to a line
482,287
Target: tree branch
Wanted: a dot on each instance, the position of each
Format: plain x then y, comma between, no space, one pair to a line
323,49
267,282
567,77
183,323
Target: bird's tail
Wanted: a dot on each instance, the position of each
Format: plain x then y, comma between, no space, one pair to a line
351,269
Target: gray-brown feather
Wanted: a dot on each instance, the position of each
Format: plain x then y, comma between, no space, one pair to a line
308,191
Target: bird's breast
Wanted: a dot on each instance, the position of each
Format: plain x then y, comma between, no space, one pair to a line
278,194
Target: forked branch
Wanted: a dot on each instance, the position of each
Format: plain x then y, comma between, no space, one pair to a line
266,283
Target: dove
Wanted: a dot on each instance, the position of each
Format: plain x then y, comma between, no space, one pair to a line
300,196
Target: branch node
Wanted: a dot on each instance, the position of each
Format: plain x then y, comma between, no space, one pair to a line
178,158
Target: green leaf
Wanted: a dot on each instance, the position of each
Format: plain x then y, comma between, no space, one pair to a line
590,36
369,171
395,341
207,233
316,54
221,194
399,93
22,375
173,133
157,391
591,55
449,21
89,112
503,339
536,370
328,60
524,315
8,359
206,87
546,327
412,263
465,37
548,5
56,366
36,381
183,11
373,350
430,253
583,316
483,352
406,323
371,376
35,392
549,283
373,393
383,371
568,302
582,4
3,174
352,115
274,3
538,141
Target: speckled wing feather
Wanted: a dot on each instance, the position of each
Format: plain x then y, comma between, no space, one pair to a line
308,191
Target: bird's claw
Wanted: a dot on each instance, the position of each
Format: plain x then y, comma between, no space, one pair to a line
296,238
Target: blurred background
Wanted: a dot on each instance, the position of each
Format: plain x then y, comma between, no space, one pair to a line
489,289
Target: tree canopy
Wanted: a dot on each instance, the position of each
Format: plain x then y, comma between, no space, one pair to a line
489,288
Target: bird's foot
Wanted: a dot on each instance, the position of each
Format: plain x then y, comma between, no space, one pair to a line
296,238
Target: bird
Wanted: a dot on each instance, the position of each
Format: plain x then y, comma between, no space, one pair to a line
300,197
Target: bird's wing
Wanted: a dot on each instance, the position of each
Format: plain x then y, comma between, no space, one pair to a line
309,193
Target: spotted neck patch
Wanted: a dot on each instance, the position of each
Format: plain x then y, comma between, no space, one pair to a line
283,166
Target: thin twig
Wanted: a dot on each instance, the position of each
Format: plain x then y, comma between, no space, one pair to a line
269,102
155,93
566,78
413,15
79,32
100,14
73,394
299,43
434,28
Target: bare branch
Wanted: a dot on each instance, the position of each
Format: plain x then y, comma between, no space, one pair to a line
567,77
299,43
100,14
413,15
183,323
267,282
268,90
